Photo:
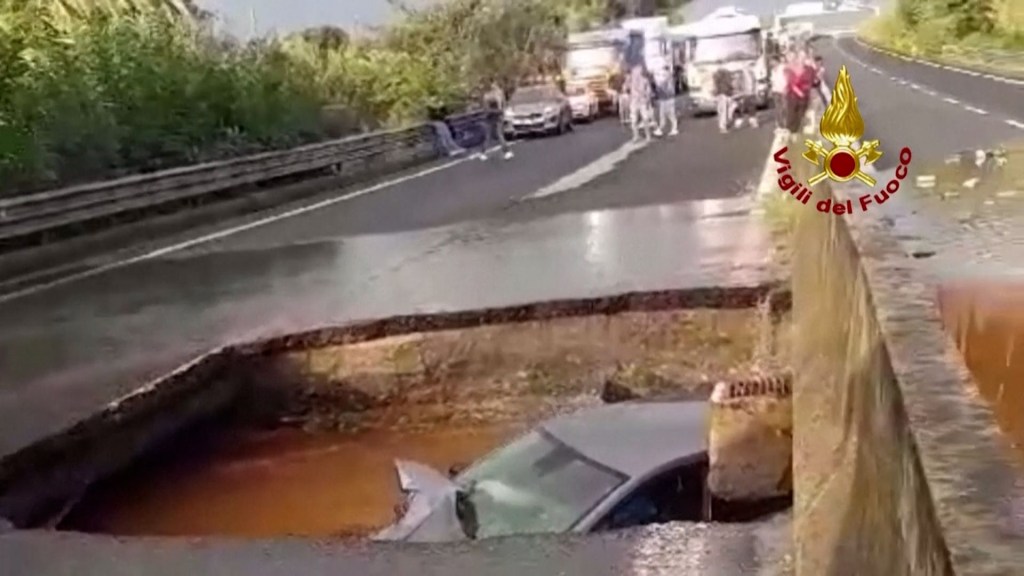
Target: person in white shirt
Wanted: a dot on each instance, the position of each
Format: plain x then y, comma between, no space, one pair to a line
640,117
778,86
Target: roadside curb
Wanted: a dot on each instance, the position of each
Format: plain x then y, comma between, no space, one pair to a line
767,183
939,64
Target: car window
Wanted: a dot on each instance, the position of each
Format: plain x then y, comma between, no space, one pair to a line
676,495
534,485
535,95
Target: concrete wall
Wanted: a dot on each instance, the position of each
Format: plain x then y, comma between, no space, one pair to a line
898,466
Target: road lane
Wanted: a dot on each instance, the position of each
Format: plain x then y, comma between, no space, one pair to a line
904,115
88,341
990,94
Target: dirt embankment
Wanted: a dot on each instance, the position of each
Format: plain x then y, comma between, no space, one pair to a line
512,372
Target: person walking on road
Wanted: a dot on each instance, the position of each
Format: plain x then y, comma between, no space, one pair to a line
799,83
640,103
744,100
820,86
778,87
494,122
667,113
723,92
624,107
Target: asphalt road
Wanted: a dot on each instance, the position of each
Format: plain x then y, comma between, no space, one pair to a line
575,216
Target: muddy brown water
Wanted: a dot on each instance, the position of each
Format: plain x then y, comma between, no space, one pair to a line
262,484
326,467
986,319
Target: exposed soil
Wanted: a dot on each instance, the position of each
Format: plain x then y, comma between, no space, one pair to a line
502,372
322,464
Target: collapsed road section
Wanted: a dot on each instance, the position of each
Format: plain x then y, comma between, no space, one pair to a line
298,435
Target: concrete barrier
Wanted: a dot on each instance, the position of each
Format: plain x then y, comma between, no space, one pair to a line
750,440
898,465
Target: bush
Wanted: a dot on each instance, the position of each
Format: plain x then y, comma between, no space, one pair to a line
90,90
930,27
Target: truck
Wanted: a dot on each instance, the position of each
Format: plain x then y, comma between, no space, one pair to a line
727,38
594,62
654,45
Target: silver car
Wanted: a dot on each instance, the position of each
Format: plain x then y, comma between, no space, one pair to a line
604,468
538,110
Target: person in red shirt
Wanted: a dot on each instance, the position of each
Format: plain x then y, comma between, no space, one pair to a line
800,75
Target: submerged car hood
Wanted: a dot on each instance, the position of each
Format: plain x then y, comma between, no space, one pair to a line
431,513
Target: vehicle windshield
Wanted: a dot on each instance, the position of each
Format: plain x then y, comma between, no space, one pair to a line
576,91
727,48
580,60
535,485
535,95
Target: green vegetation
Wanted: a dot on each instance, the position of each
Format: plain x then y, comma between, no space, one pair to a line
92,89
983,33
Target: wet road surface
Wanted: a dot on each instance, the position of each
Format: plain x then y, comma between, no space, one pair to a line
66,351
89,341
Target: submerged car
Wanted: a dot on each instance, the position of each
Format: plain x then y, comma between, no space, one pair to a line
540,109
604,468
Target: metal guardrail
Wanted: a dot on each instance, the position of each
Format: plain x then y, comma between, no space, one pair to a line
33,219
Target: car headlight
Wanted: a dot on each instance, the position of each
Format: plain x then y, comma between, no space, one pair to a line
550,110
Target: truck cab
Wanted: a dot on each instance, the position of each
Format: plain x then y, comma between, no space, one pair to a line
729,39
593,63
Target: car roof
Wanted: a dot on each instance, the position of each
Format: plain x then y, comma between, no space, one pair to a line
635,438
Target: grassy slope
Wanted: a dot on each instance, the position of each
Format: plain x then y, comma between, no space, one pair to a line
1001,52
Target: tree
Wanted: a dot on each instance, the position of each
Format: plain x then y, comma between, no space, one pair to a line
326,37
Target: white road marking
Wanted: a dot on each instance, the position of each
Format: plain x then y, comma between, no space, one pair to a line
586,174
233,230
949,100
988,76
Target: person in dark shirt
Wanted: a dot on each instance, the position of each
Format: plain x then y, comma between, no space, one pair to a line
723,92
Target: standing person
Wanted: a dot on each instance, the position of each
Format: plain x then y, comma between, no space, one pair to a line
799,80
778,86
624,103
744,102
653,102
639,102
723,91
820,86
667,104
494,122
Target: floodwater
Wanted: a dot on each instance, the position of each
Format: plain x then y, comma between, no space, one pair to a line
986,320
274,483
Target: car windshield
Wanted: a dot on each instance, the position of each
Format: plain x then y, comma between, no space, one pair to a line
576,91
535,485
534,95
726,48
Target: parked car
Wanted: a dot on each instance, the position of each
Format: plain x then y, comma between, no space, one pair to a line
584,104
542,109
604,468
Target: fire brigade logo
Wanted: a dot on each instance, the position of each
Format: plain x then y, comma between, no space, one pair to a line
843,127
